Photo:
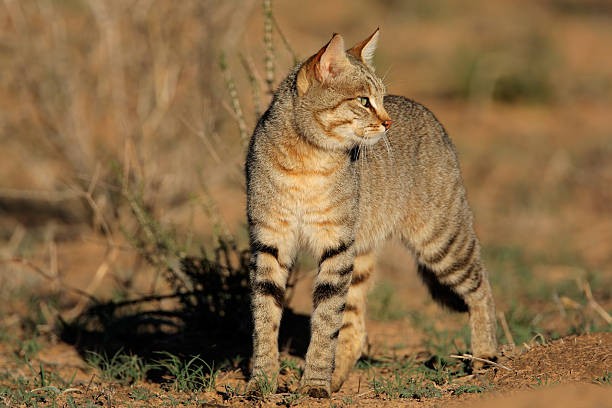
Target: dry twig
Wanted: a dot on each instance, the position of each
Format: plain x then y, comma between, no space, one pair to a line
482,360
269,46
236,108
593,303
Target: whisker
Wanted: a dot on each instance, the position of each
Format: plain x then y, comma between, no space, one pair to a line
365,152
359,154
388,145
383,78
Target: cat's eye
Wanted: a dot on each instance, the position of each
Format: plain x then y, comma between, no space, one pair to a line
364,101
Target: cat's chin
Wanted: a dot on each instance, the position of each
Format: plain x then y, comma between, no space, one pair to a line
370,139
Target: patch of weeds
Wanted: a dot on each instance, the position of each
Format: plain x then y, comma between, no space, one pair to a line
401,385
348,400
605,379
440,370
469,389
544,381
42,386
141,394
265,385
19,392
195,375
71,403
232,391
382,303
290,399
122,368
171,402
415,380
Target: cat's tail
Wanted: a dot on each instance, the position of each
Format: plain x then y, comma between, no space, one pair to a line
442,294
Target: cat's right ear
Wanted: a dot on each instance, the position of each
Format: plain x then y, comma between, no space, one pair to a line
324,65
365,49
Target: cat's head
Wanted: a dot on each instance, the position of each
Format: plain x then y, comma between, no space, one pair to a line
339,100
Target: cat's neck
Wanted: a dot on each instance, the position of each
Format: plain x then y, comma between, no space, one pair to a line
286,135
299,153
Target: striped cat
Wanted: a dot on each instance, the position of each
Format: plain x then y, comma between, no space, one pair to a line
338,166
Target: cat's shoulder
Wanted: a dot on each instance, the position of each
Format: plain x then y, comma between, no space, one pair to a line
404,104
405,109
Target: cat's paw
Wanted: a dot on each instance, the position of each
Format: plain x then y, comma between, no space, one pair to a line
315,391
315,388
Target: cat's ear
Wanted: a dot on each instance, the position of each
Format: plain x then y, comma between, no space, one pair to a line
332,60
365,49
324,65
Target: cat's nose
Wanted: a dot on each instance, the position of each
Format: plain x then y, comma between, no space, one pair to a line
387,123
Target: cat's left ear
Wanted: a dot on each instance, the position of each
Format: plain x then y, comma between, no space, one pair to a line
324,65
365,49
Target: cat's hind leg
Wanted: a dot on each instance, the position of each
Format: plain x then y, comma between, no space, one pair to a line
352,337
449,262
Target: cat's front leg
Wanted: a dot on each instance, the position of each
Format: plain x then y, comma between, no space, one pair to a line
270,263
329,301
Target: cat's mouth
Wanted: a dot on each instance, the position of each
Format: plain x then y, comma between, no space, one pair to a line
368,136
371,136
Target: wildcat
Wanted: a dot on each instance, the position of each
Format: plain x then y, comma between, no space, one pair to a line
338,166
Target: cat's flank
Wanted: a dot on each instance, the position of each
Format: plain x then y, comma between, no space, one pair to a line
338,166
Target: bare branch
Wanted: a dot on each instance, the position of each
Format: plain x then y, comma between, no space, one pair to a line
482,360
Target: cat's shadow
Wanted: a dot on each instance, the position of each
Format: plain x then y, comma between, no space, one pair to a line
294,334
213,322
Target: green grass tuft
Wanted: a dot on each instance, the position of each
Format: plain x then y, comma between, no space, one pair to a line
266,386
469,389
195,375
402,386
605,379
121,368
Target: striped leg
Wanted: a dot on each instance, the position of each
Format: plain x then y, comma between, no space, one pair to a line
352,338
450,265
269,272
329,297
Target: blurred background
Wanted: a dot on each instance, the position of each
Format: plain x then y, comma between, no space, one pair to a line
123,127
